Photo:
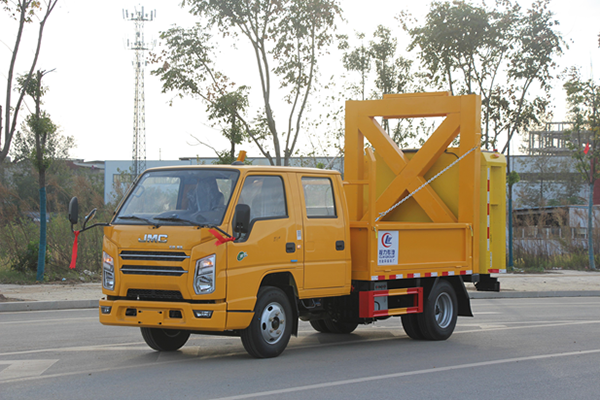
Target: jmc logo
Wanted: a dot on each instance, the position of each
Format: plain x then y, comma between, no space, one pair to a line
153,239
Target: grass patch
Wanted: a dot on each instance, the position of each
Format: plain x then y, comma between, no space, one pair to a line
531,264
10,275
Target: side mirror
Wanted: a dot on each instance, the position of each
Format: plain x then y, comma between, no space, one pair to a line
88,217
73,211
241,218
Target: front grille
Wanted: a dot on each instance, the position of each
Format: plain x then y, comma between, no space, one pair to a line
176,256
151,294
152,270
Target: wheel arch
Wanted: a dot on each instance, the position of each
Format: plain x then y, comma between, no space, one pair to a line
286,282
462,297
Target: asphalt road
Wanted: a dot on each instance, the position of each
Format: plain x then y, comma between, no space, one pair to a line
544,348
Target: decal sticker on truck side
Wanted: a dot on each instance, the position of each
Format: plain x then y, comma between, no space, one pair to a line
387,248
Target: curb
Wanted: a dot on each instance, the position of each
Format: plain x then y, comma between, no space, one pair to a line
47,305
80,304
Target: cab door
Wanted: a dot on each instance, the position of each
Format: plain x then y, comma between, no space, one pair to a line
326,247
271,245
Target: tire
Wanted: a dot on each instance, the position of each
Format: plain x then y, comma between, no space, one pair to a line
271,327
165,339
319,326
410,323
440,312
340,326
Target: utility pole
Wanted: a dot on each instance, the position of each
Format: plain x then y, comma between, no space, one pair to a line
139,46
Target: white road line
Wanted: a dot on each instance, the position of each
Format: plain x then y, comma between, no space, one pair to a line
395,332
24,368
530,326
405,374
41,321
292,347
29,312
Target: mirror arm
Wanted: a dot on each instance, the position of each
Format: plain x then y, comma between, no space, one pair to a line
93,226
88,217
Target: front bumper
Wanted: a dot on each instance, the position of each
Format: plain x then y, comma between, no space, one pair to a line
170,315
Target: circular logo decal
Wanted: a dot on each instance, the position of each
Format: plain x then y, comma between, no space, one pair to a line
386,240
241,255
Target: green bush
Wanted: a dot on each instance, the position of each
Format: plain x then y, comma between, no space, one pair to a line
19,235
26,260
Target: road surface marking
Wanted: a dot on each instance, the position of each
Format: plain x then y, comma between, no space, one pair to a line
405,374
41,321
24,368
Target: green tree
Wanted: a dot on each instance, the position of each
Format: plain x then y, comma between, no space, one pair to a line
357,60
287,37
473,49
583,99
224,112
41,143
392,72
23,12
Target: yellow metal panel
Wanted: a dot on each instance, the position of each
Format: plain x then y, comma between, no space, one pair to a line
155,314
448,209
493,246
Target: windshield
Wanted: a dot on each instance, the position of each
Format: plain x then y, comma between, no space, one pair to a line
174,197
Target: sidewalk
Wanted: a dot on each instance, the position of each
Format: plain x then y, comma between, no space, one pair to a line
85,295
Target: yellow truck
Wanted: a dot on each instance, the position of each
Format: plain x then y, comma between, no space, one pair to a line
249,250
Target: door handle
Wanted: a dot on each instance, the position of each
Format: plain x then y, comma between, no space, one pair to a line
339,245
290,247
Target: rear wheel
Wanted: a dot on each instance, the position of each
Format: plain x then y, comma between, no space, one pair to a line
271,327
165,339
319,326
410,322
340,326
440,312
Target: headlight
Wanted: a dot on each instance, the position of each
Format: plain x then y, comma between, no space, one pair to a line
204,277
108,271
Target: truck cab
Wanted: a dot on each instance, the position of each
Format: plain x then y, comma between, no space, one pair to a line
172,262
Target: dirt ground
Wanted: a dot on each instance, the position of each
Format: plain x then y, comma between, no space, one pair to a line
551,281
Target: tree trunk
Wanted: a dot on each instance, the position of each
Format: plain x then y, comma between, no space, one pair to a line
510,216
42,248
591,227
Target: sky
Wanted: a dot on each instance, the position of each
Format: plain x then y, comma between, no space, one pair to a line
91,90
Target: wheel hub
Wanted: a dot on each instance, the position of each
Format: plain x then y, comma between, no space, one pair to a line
443,310
273,322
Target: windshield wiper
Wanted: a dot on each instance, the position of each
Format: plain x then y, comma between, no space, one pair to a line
138,219
175,218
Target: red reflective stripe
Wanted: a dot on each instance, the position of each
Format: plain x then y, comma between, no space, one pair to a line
220,238
74,253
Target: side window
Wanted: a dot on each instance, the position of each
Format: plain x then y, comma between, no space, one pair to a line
266,197
318,194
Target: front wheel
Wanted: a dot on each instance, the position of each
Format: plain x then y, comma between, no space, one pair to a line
165,339
271,327
440,311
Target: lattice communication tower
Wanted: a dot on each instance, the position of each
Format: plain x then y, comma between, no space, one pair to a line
138,16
